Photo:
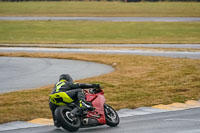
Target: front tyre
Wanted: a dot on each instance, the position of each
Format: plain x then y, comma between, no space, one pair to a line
112,118
71,124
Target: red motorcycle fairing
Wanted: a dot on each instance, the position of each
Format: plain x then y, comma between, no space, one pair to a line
98,101
103,113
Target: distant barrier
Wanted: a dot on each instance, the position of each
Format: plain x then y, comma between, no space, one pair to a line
104,0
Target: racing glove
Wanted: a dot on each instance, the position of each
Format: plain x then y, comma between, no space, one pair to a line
97,86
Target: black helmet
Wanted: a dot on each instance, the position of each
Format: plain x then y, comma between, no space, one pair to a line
66,77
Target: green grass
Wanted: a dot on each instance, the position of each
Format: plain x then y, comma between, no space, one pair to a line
172,9
137,81
98,32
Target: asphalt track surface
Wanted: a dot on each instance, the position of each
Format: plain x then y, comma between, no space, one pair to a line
189,46
117,19
17,73
173,54
185,121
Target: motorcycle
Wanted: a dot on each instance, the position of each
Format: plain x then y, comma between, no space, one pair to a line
101,115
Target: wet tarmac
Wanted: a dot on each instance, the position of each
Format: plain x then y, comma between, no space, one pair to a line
18,73
172,54
187,46
114,19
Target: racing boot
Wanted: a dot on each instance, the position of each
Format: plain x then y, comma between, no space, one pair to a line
57,124
85,106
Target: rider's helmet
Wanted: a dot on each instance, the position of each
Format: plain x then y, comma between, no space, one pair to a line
66,77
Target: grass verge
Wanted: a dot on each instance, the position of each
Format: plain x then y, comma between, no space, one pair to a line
137,81
146,9
98,32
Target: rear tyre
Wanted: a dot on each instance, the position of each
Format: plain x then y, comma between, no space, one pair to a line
71,124
112,118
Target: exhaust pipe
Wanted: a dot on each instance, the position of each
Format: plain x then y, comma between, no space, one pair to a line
90,122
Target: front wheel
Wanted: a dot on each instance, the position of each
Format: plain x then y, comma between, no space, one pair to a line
62,114
112,118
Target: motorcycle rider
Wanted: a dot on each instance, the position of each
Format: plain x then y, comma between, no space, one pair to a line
65,91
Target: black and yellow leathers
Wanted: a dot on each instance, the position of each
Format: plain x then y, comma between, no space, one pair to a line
66,92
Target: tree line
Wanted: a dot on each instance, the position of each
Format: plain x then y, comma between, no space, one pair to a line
102,0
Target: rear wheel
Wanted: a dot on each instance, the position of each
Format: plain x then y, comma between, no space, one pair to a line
112,118
68,122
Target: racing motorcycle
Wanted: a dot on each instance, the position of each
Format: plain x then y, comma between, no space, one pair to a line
101,115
